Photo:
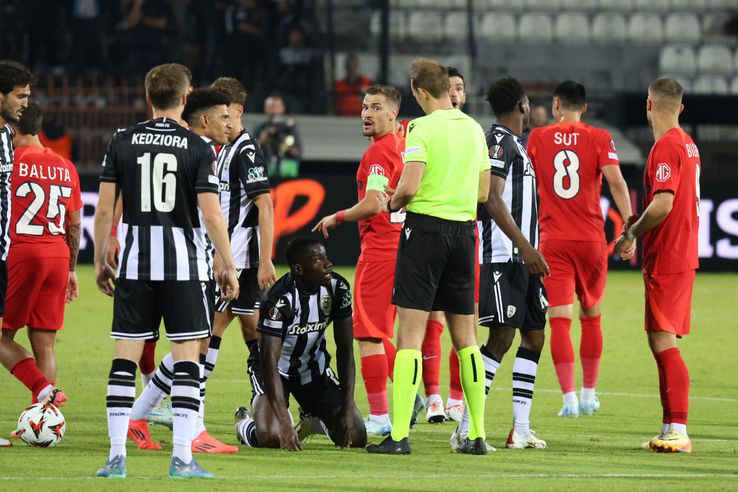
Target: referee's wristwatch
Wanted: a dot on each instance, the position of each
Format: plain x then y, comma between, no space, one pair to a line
389,207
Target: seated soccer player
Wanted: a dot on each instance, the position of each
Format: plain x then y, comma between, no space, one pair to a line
293,318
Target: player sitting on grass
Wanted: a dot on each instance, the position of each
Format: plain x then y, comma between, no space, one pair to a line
293,318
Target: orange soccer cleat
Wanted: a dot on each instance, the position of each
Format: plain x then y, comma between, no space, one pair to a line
205,443
138,430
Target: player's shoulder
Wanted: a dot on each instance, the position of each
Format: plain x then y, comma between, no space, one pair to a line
339,283
498,135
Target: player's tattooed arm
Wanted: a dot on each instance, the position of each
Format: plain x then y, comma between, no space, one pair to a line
73,235
270,348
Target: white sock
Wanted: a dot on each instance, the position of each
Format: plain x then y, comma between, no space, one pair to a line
432,398
185,406
680,428
587,394
120,395
44,392
450,402
212,356
524,379
200,424
146,378
490,369
380,419
570,398
246,430
665,428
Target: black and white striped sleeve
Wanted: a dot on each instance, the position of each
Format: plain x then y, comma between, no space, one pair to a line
274,318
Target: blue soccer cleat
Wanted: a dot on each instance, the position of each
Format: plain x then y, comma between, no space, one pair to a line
418,407
114,468
589,406
180,469
162,415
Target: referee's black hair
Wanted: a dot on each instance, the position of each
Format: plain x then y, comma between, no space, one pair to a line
201,100
12,75
504,95
297,247
454,72
31,119
571,94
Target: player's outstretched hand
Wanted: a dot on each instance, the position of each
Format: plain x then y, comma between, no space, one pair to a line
266,275
113,251
228,284
625,248
346,426
105,277
288,439
326,223
535,262
72,288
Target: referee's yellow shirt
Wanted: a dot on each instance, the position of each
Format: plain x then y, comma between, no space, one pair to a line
453,147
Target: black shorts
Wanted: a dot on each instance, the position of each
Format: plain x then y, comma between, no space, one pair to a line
435,265
319,398
3,286
249,294
510,296
140,305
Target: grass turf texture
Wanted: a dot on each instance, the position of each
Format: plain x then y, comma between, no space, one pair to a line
588,452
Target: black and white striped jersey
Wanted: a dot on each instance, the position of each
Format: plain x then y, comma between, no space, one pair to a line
300,319
242,173
159,168
509,160
6,169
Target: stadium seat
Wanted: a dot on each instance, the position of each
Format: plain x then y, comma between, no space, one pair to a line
713,23
579,5
678,59
572,27
616,5
396,24
456,27
683,26
645,28
498,26
537,5
652,5
424,25
535,27
609,27
715,59
710,84
734,86
501,5
694,5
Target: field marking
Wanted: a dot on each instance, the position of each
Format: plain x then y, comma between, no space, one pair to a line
418,476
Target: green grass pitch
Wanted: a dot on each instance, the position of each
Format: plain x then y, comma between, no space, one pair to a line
594,453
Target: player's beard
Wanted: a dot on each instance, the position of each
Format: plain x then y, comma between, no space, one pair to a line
7,114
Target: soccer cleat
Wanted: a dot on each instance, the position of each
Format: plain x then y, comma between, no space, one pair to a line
138,430
308,426
16,434
205,443
671,442
477,446
56,397
647,444
436,413
375,428
455,412
162,415
390,446
417,408
517,441
457,441
242,413
569,410
4,443
114,468
180,469
589,406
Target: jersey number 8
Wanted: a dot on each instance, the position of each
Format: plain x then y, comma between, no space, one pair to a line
162,178
566,164
24,225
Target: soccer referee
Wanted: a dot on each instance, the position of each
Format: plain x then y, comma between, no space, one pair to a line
446,174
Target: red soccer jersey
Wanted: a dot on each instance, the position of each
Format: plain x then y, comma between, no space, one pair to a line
568,159
673,166
380,235
44,187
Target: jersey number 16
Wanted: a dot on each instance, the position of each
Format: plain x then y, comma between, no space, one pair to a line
162,178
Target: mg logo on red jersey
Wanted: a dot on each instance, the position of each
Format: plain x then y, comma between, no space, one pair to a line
663,172
376,169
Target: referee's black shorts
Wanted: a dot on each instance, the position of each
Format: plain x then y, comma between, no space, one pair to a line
435,265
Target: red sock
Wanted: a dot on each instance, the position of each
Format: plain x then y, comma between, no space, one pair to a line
374,372
28,373
676,378
391,352
431,350
455,391
666,419
147,364
562,353
590,350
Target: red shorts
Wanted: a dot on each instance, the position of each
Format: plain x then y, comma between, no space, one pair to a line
36,292
669,302
374,313
576,266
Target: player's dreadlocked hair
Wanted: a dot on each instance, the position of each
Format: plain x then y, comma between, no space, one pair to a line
200,101
571,94
504,95
13,74
297,247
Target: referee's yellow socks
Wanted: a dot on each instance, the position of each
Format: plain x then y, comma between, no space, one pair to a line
408,371
471,368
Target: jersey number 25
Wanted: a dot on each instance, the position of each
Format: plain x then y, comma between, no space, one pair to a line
54,210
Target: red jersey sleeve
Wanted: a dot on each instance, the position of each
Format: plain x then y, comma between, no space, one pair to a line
75,202
607,155
374,162
665,167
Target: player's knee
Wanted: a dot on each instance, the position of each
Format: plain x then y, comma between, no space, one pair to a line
533,340
500,340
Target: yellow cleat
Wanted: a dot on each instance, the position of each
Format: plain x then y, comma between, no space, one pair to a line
671,442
